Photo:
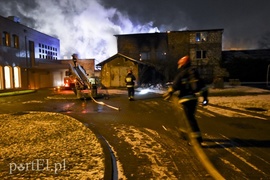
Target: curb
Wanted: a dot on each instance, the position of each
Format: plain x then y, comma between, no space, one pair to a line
111,170
14,93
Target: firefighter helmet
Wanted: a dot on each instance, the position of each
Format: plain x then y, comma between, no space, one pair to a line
183,61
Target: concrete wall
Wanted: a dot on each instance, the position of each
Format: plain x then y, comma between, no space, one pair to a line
30,46
42,78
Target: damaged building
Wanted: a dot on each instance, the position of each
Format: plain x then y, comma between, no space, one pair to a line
156,55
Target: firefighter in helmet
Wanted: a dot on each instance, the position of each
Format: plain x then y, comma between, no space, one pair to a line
130,78
188,82
75,59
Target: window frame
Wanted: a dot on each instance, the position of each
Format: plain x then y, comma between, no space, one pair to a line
201,37
201,54
161,55
145,56
15,42
5,38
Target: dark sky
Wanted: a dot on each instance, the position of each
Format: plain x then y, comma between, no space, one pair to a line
243,21
87,26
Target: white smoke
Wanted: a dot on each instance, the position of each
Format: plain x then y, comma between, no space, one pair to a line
84,27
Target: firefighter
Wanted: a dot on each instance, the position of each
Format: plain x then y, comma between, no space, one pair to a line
130,78
188,82
75,59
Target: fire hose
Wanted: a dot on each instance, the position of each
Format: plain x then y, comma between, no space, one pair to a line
102,103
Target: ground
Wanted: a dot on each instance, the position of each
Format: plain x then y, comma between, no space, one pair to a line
56,146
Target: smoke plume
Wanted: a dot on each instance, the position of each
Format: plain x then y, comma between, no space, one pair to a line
87,27
84,27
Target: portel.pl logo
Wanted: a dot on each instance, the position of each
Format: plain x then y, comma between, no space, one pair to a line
38,165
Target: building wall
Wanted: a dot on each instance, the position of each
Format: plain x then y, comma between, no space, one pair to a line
247,65
21,47
87,64
42,78
178,46
209,66
165,49
133,45
128,45
113,73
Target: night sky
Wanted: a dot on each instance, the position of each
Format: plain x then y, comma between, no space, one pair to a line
87,27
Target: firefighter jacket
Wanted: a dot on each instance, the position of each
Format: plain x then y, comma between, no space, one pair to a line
188,82
130,78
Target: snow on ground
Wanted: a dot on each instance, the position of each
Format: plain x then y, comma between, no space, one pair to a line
259,103
119,165
65,149
38,145
249,99
144,146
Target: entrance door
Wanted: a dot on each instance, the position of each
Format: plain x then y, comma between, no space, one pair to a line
115,77
123,74
118,75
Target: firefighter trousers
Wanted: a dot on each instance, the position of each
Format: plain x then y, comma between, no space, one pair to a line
191,127
130,92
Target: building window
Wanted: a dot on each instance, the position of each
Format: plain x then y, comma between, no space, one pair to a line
17,77
8,77
200,54
47,52
161,55
6,38
201,37
1,78
145,56
15,41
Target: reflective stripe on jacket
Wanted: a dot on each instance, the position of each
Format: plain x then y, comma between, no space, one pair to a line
130,78
187,98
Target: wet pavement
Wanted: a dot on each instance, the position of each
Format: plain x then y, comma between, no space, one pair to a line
141,147
142,139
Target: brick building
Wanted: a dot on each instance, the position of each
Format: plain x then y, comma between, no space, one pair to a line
155,55
162,50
